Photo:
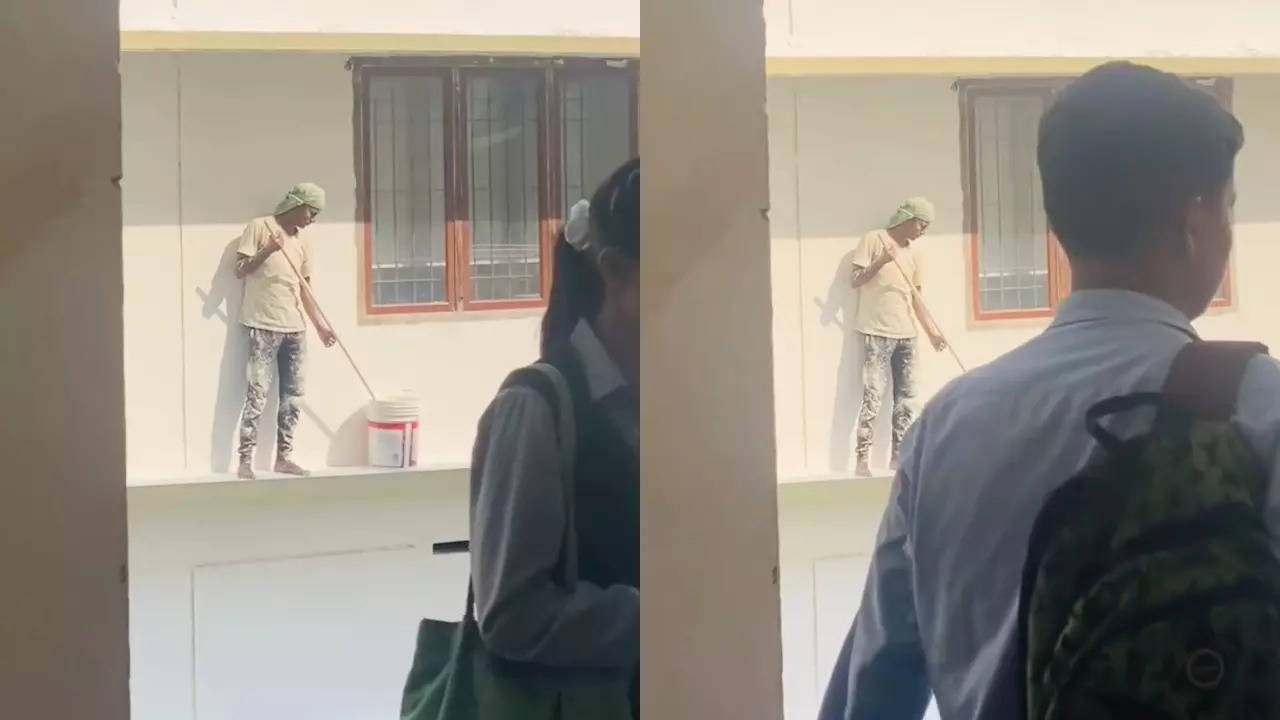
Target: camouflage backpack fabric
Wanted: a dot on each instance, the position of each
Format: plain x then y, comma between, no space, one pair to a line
1151,587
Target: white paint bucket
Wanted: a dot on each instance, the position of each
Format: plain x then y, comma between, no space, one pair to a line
393,431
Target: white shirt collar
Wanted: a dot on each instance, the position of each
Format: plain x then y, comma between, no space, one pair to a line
1093,305
274,226
603,375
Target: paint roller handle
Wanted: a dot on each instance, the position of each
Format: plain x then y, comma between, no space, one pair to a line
925,307
367,388
941,343
306,287
341,345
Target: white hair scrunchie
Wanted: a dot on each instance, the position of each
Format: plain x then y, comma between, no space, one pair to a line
577,230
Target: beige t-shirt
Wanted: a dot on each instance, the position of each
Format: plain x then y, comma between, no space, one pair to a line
272,293
884,302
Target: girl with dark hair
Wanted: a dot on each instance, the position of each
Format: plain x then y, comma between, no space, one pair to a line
525,499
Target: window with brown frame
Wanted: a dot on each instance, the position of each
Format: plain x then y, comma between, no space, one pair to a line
1017,269
466,167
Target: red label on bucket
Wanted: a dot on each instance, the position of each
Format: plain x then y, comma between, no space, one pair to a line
393,444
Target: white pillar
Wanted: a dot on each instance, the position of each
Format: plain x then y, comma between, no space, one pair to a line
63,608
710,618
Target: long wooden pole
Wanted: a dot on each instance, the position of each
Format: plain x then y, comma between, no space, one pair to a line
925,307
306,286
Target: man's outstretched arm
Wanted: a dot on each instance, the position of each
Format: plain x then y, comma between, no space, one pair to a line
317,318
926,322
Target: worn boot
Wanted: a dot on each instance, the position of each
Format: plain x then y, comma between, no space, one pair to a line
285,466
863,468
246,470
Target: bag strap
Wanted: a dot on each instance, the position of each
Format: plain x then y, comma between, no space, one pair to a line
1204,380
561,401
568,436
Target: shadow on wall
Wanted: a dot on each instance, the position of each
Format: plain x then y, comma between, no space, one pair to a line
838,309
223,302
349,443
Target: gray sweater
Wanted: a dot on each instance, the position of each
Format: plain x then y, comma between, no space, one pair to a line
518,520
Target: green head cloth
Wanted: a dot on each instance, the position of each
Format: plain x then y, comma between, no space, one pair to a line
916,208
302,194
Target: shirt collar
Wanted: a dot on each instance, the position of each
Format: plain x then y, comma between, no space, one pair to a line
275,227
603,375
1119,305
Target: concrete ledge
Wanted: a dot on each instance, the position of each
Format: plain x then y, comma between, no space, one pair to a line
837,476
879,476
325,473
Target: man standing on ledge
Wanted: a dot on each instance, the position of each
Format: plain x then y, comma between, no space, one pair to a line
884,270
275,301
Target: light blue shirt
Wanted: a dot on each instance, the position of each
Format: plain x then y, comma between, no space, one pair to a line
944,582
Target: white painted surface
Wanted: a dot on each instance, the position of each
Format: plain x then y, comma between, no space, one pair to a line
871,28
152,250
254,617
615,18
1050,28
300,598
827,538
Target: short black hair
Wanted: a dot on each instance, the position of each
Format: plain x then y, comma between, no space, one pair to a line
1123,151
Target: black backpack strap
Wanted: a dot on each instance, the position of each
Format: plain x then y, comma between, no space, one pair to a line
534,379
1204,380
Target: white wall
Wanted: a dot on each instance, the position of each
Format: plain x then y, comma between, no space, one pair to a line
828,534
295,599
1049,28
870,28
1256,265
616,18
300,598
211,141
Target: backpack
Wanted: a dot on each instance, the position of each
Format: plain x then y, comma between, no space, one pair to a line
1151,587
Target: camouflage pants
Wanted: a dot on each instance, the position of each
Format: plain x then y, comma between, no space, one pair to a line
286,351
885,358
